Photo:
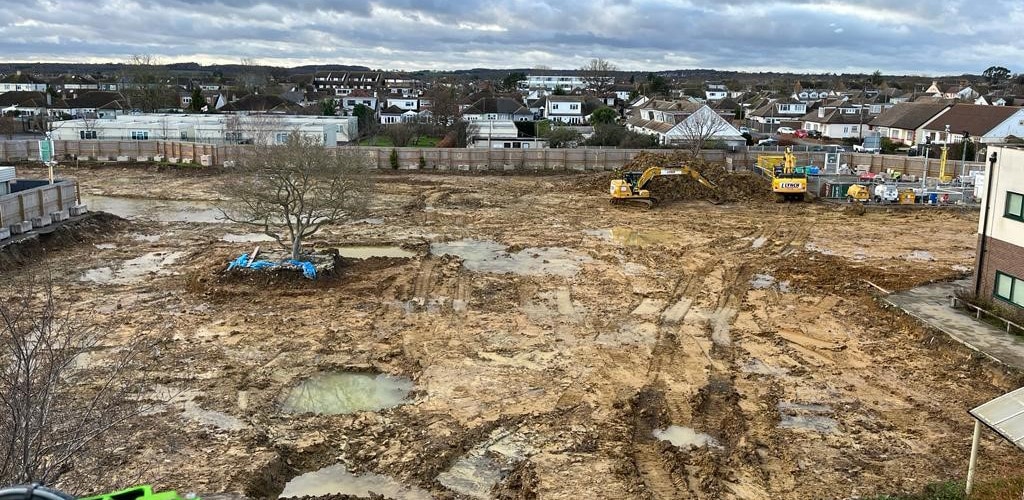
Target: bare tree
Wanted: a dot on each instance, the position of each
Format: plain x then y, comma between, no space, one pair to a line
53,404
145,83
252,77
599,75
9,125
401,134
290,191
702,126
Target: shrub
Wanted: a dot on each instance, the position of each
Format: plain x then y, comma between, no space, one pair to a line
393,159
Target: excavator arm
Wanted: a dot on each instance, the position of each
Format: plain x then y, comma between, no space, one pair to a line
653,172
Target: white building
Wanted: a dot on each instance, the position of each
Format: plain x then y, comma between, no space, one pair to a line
999,270
214,129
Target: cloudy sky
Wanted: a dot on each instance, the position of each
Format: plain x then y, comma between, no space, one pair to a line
894,36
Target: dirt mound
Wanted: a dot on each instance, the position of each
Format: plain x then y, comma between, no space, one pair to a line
729,186
21,250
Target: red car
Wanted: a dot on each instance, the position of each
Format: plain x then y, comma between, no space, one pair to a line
801,133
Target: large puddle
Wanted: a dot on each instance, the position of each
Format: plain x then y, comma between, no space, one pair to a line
493,257
337,480
366,252
685,437
336,393
155,210
133,270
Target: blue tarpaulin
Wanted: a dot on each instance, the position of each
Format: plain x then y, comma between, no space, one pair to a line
308,269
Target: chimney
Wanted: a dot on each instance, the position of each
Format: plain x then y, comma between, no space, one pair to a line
17,73
821,112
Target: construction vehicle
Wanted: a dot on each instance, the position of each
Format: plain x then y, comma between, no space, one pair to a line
631,188
788,183
858,192
37,492
943,176
887,193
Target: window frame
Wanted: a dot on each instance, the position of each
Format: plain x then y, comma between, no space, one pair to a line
1006,208
1015,281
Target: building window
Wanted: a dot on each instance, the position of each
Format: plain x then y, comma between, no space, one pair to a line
574,106
281,137
87,134
1014,206
184,135
140,135
233,136
554,106
1009,289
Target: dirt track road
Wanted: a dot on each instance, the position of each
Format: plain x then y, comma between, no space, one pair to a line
589,328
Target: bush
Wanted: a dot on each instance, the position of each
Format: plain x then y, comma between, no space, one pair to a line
423,161
393,159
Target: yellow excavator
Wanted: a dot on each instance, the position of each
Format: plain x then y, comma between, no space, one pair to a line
631,188
788,182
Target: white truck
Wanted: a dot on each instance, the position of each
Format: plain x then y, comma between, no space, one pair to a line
887,193
872,144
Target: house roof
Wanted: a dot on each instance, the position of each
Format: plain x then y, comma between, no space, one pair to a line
258,102
24,98
20,77
392,110
834,116
663,105
908,116
499,105
975,119
655,125
98,100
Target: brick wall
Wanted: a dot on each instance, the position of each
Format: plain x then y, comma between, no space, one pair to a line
999,256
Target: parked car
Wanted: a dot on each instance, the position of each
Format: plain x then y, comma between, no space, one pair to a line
814,134
744,130
768,142
801,133
785,130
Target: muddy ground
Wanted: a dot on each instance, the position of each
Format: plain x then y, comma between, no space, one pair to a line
751,323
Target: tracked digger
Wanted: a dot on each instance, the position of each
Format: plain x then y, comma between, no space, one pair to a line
632,189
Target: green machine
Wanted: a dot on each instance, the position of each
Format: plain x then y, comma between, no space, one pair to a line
36,492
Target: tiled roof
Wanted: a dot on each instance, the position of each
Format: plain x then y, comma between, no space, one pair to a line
975,119
907,116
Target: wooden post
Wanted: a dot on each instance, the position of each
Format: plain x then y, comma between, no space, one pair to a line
42,202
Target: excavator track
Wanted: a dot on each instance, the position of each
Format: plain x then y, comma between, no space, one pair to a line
645,203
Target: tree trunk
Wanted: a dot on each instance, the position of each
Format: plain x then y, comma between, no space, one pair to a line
296,247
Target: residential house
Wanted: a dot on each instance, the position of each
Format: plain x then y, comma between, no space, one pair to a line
999,100
359,96
622,92
503,134
999,269
394,114
403,103
497,109
715,91
773,113
962,91
71,86
902,123
812,95
837,119
680,122
26,103
986,124
21,82
98,104
402,85
551,82
343,83
570,109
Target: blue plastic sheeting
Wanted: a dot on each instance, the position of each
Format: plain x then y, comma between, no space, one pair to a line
308,269
241,261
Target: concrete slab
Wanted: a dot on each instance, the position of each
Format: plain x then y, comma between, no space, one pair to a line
930,304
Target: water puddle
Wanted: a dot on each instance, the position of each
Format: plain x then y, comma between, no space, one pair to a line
337,480
476,473
758,367
246,238
685,437
133,270
764,281
105,246
811,247
366,252
155,210
493,257
807,417
340,392
212,418
921,255
630,237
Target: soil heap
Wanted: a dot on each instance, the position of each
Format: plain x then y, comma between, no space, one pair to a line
729,186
